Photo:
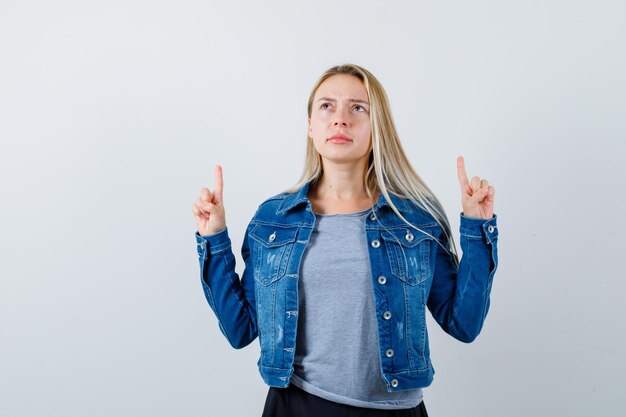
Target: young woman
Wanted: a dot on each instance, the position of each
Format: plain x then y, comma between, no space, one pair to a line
340,267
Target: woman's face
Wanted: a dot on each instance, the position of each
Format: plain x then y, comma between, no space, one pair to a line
340,107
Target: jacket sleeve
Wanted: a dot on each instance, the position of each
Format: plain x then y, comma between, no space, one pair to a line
232,300
459,298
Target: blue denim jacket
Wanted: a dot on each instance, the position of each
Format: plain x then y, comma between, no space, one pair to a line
409,272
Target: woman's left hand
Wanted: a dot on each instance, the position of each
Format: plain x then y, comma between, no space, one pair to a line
477,196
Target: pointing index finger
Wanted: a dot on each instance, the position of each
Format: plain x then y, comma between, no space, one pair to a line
219,184
460,168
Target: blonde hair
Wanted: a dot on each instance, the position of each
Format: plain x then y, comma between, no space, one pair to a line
389,170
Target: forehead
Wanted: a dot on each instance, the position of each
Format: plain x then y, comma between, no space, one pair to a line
342,86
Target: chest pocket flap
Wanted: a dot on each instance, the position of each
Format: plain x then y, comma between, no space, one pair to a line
409,254
272,250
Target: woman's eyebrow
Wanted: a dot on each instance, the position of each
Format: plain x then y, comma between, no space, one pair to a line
354,100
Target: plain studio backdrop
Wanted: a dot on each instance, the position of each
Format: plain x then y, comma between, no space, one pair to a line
114,114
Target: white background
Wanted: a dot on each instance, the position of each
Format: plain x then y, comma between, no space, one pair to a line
113,115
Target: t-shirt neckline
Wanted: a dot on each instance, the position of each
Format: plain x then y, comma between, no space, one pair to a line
364,211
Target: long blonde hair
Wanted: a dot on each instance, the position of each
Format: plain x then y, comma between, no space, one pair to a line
389,170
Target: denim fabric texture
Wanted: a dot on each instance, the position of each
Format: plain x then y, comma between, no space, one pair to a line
409,272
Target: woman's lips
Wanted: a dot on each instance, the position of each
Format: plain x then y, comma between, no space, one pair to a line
339,138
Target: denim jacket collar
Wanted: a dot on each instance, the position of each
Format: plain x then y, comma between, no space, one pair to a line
300,197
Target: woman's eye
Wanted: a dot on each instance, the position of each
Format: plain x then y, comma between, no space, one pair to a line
359,108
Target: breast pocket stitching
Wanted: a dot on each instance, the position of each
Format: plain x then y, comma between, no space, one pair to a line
409,254
272,248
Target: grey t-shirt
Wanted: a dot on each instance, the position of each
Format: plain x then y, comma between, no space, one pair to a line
337,354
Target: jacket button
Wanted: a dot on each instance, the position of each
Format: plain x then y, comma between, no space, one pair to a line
272,237
375,243
372,217
382,280
389,353
409,236
490,228
394,383
387,315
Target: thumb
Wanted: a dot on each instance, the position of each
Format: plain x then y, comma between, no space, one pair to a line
209,207
480,194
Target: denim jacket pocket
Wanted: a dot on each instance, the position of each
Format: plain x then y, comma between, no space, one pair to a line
409,254
271,250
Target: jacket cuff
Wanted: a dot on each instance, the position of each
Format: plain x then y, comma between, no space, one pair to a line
477,228
212,244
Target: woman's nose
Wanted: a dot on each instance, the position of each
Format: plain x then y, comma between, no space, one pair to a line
341,118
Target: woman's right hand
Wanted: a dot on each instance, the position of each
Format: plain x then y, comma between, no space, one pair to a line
209,208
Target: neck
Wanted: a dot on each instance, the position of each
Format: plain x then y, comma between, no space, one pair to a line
341,182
